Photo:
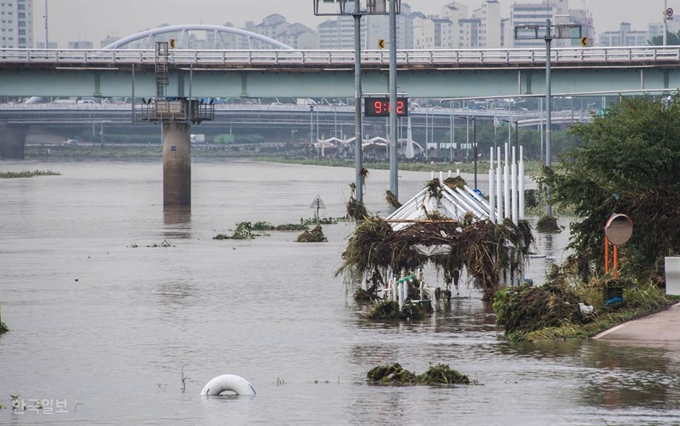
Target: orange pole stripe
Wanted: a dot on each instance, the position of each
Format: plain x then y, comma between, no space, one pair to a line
616,261
606,255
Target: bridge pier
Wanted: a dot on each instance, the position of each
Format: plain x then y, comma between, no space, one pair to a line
12,141
176,164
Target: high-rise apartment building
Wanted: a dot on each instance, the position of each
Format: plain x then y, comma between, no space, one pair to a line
338,32
16,24
490,27
530,14
625,36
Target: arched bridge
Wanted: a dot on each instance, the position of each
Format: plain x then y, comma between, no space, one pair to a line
222,38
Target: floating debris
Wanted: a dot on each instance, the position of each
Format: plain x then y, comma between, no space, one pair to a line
443,375
548,224
455,182
28,174
482,247
526,308
395,374
243,231
389,310
314,236
163,244
392,199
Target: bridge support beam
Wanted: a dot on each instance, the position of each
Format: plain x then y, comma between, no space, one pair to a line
176,164
12,141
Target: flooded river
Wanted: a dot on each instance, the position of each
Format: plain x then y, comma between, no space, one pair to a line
104,326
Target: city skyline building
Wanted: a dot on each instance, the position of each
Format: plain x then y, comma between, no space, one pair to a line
16,24
457,26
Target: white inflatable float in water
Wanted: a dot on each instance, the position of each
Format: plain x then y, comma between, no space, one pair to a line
228,383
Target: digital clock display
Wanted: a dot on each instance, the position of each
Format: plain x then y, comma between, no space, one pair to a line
380,107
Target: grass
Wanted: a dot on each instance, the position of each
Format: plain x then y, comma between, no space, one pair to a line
531,168
27,174
638,302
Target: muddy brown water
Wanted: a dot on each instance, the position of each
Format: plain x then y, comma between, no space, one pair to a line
102,330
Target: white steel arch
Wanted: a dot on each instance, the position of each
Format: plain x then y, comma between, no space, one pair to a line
217,30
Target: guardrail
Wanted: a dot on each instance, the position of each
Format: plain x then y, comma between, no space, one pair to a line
292,108
441,57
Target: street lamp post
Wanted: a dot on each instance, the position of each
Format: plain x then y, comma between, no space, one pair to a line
311,124
665,22
354,8
474,140
533,32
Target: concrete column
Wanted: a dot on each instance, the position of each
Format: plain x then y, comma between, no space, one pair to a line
12,141
176,164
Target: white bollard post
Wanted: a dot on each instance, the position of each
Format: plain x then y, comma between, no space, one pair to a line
400,295
521,182
506,183
441,176
492,185
449,173
492,196
431,175
513,180
499,189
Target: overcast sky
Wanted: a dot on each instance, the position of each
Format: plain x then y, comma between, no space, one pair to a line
93,20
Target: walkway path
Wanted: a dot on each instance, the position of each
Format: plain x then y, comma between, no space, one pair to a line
661,327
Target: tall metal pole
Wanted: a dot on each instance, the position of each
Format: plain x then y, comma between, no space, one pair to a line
311,124
358,134
394,173
451,132
47,39
540,124
548,112
665,23
474,140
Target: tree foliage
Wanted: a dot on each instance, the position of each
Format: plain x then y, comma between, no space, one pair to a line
672,39
629,163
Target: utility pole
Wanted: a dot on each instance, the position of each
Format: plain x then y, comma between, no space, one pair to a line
665,22
359,8
533,32
548,110
47,39
394,172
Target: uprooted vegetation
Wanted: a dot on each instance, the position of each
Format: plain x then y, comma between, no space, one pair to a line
249,230
483,248
395,374
566,308
3,327
27,174
314,236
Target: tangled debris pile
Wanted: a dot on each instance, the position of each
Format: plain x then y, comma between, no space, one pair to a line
388,310
395,374
526,308
3,327
482,247
314,236
566,307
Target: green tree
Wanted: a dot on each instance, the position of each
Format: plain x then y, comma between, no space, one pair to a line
671,40
629,163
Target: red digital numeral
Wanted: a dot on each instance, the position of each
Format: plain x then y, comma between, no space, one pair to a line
400,107
378,107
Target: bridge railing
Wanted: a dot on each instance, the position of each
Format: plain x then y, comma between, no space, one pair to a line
434,57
